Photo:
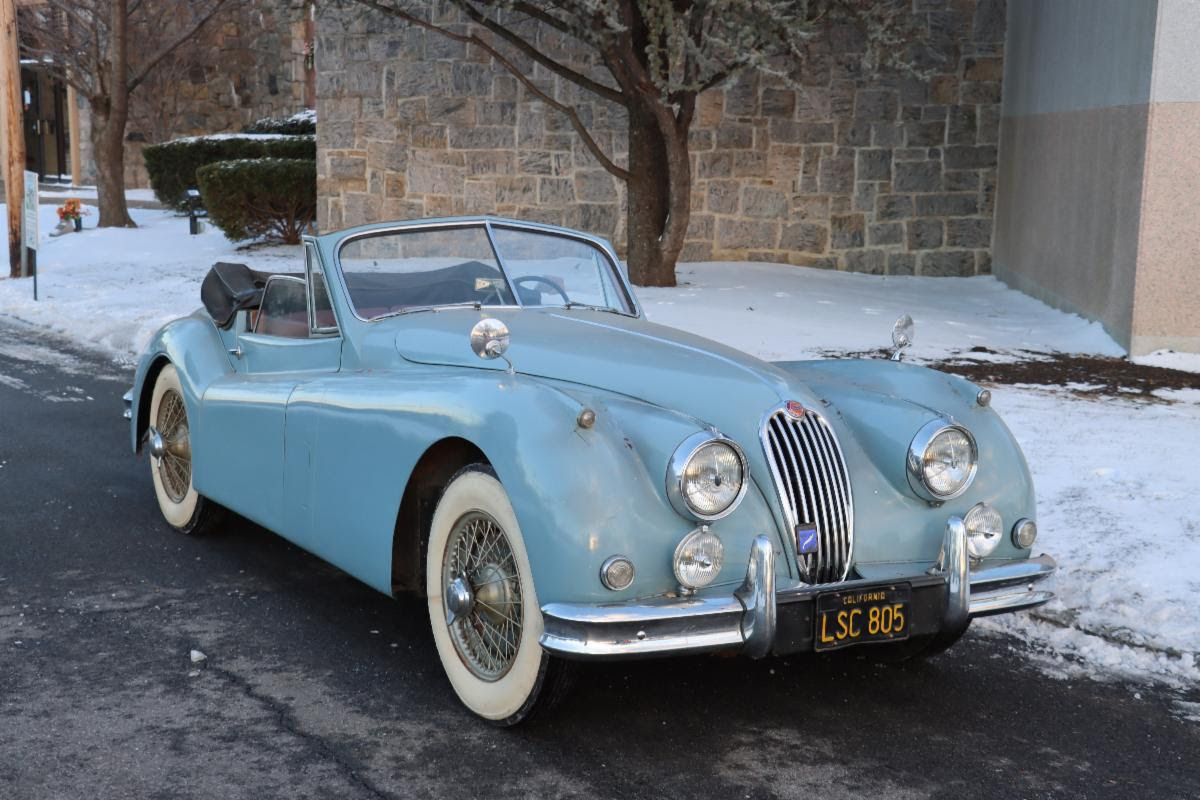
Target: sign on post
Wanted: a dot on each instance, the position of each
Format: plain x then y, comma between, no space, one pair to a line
29,229
30,226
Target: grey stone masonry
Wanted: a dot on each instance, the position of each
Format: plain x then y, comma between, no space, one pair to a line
882,173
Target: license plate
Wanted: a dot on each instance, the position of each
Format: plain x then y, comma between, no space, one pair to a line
860,616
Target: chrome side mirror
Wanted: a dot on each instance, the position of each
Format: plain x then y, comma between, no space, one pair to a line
489,339
902,335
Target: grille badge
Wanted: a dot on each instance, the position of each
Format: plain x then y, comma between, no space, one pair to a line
806,538
795,409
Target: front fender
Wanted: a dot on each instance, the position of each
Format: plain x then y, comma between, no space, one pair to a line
581,495
193,345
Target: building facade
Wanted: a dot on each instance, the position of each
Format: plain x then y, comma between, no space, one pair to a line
1100,168
881,173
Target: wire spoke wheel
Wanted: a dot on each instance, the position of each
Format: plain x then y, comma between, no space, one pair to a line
487,631
175,465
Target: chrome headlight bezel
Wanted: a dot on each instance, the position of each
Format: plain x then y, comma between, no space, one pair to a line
916,458
677,468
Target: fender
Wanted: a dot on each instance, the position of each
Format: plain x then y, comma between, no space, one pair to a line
196,349
571,488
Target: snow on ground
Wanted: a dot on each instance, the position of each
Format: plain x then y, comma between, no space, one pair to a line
112,288
1116,477
1188,362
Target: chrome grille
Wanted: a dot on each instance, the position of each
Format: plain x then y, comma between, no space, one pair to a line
814,488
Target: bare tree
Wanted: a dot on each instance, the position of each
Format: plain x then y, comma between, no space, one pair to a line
106,49
657,57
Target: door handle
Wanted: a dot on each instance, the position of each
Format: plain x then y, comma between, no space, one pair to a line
236,352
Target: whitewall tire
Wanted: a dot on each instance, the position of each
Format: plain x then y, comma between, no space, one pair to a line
171,467
483,606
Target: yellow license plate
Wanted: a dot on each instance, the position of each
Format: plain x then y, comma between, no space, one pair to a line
860,616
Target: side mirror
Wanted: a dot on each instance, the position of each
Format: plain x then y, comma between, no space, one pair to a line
902,335
489,339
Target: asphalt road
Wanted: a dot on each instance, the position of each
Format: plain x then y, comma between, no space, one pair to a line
316,686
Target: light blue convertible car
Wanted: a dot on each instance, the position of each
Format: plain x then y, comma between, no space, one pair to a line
476,410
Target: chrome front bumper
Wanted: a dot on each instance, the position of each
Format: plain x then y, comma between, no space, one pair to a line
749,619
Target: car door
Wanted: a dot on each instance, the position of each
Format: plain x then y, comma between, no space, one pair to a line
285,346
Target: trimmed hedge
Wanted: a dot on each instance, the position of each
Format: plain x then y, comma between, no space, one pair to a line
268,198
302,124
173,165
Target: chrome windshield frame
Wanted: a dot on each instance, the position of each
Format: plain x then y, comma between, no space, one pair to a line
486,222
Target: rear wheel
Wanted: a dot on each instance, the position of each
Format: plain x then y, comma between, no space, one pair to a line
483,606
171,459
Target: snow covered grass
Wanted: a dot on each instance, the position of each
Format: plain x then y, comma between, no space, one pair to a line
1116,477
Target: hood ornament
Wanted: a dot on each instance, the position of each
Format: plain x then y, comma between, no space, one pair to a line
902,335
794,409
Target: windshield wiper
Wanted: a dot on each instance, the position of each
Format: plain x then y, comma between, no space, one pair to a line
475,304
591,307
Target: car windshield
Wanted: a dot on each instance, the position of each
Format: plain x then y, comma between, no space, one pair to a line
398,271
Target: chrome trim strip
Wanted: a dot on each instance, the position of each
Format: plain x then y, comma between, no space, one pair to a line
816,484
1003,601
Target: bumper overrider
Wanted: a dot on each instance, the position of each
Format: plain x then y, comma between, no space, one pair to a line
760,621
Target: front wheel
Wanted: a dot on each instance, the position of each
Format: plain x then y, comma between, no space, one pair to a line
483,606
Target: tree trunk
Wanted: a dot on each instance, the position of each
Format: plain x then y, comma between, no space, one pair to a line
648,189
108,144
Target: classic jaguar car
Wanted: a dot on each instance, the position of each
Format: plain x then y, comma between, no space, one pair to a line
477,410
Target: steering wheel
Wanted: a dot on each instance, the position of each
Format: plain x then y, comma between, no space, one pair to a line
544,281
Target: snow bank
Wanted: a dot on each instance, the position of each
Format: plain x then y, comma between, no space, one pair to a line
112,288
1116,478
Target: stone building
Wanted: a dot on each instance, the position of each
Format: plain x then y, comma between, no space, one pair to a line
874,173
247,63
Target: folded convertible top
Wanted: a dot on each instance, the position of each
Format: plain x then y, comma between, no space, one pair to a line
229,288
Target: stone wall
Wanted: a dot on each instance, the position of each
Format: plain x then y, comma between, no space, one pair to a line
874,173
246,64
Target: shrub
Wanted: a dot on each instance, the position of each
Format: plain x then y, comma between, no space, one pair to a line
172,165
303,123
270,198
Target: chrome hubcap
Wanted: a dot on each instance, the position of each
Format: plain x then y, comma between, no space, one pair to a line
482,596
170,446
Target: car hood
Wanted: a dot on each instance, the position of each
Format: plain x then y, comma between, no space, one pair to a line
615,353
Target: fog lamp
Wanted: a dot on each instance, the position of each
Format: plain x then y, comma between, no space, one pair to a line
699,558
616,573
1024,533
984,529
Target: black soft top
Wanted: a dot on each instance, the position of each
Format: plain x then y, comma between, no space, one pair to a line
229,288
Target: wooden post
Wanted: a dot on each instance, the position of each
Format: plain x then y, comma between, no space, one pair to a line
14,134
73,134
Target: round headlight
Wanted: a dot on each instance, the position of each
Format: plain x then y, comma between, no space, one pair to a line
707,477
1024,533
984,529
942,461
699,558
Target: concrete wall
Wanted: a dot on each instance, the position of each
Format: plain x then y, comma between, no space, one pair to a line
1099,165
1166,308
1072,144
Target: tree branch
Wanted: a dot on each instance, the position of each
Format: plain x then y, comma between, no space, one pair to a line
175,44
571,114
608,93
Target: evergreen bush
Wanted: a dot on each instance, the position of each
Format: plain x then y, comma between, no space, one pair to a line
274,199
